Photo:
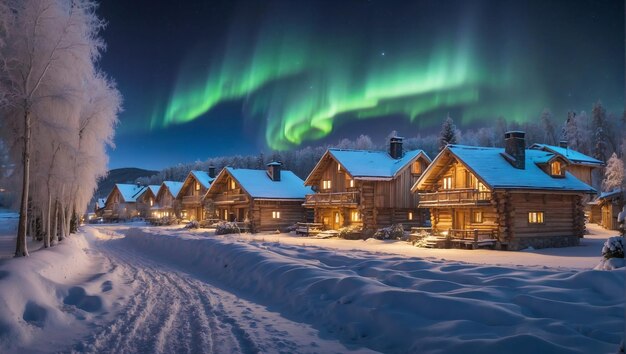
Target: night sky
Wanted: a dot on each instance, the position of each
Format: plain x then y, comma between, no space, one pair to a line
210,78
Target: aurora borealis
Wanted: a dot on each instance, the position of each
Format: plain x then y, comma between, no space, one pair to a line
287,73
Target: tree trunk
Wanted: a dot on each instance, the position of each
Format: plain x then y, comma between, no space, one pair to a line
62,221
55,231
46,239
20,248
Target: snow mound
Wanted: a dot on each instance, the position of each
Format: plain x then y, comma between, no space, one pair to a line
399,304
41,307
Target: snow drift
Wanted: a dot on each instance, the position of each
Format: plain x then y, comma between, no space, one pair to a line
399,304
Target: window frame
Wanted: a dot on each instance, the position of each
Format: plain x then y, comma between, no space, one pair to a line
536,217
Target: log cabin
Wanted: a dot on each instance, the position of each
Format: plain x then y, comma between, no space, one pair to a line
193,189
165,203
121,202
514,197
365,188
146,200
98,208
266,200
611,204
578,164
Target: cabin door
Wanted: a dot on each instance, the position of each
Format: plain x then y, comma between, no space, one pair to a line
460,219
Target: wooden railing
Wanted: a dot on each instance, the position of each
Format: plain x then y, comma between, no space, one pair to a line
341,198
191,199
455,196
473,234
229,197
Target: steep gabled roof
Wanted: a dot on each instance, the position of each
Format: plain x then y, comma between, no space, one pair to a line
571,156
259,185
154,189
129,192
171,186
366,164
496,172
202,177
607,195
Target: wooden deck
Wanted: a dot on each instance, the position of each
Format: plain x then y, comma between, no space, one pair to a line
454,197
350,199
470,239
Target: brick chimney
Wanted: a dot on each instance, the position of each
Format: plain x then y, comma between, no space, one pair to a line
395,147
515,147
563,144
212,171
273,170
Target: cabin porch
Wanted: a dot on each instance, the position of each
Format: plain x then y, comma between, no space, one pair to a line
334,218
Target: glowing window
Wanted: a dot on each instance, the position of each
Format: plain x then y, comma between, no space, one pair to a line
355,216
276,215
326,184
336,218
556,168
477,216
410,215
351,183
151,202
339,167
535,217
447,183
197,186
232,184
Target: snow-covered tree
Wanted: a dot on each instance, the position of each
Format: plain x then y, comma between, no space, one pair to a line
448,133
48,52
550,136
613,173
598,131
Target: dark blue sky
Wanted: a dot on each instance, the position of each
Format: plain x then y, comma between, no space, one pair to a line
210,78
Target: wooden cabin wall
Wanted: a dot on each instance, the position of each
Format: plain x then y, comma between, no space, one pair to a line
609,216
583,173
260,214
397,193
561,214
338,179
442,219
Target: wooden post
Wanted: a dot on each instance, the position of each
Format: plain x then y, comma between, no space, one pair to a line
475,245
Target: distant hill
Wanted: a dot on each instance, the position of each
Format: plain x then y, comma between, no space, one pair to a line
120,175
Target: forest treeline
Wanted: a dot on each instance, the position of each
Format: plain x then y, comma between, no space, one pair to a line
598,134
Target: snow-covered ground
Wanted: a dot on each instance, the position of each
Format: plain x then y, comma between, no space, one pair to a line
134,288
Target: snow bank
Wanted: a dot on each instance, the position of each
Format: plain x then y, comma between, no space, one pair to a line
47,299
398,304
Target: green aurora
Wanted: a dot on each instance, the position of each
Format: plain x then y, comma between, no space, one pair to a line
300,80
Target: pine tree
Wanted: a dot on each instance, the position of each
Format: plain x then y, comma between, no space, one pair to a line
613,174
571,133
548,126
599,137
448,133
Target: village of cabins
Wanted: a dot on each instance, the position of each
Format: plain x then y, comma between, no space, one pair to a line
506,198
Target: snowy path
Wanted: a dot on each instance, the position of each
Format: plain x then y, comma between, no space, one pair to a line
172,312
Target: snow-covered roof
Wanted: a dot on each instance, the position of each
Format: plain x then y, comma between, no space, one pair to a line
101,202
614,192
492,168
174,187
129,192
259,185
154,188
364,163
203,178
572,156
